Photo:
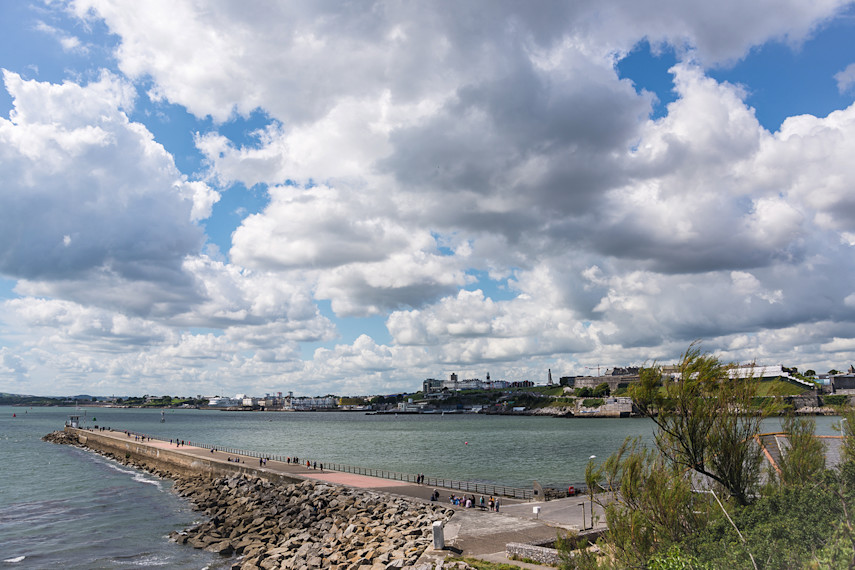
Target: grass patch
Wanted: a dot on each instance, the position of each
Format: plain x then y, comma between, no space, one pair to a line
779,388
483,564
835,400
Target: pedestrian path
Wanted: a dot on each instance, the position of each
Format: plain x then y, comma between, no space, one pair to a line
470,532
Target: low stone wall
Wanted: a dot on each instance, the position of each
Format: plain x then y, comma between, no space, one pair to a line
540,554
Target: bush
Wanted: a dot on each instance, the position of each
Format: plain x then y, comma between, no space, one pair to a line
593,402
835,400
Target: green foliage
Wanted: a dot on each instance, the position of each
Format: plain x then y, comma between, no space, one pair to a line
549,390
835,400
601,390
783,529
573,553
483,564
593,402
22,400
701,421
583,392
675,559
530,400
652,504
804,457
780,388
847,429
706,424
559,402
348,401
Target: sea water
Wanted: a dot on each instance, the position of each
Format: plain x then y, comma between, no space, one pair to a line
66,507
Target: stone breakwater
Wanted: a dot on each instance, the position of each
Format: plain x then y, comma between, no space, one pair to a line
312,525
302,525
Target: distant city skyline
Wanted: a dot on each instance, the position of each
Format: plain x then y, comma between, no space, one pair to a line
202,197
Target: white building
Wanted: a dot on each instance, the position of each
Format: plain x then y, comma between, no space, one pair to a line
305,404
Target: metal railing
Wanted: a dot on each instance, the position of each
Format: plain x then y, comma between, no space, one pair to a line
468,486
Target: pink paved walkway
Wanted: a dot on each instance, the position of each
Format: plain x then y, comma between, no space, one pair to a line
353,480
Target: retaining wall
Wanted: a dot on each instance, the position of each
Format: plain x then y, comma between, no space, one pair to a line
540,554
173,460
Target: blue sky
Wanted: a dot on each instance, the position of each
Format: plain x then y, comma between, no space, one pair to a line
201,196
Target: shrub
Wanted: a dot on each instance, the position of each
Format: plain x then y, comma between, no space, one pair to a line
835,400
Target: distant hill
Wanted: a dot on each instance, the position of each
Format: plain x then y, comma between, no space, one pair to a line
27,400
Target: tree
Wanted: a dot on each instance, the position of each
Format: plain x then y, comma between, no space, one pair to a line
705,421
651,503
804,457
847,429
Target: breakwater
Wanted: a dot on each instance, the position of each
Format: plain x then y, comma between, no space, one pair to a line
273,520
137,445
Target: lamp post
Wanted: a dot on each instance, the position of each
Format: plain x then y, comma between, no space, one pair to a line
591,495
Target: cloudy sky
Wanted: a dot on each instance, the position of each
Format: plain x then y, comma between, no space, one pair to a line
213,197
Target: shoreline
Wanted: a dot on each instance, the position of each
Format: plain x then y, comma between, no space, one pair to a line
536,412
267,521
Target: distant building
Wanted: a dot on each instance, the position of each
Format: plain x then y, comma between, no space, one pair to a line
843,383
434,386
308,404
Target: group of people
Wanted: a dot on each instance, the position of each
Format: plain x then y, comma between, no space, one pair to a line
309,464
469,502
420,479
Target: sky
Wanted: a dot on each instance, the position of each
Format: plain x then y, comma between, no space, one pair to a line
217,197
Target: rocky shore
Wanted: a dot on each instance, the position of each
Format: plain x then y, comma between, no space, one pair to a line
303,526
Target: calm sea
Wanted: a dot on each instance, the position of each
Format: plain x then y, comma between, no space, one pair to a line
65,507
